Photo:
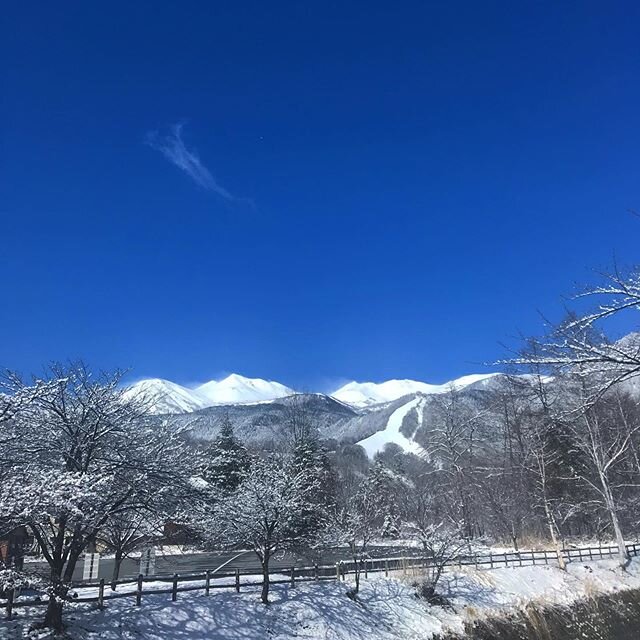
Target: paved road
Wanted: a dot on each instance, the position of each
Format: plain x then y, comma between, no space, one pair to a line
200,562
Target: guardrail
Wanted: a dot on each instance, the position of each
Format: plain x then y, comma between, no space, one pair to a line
339,571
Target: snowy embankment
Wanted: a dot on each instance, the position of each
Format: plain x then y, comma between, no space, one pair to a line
386,608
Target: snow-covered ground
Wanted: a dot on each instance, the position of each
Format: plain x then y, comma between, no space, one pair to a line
386,609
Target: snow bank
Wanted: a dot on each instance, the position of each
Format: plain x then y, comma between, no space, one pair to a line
386,609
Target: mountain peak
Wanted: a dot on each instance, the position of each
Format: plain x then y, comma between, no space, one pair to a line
164,396
362,394
238,389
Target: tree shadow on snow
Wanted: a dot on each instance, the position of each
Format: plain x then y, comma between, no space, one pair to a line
318,612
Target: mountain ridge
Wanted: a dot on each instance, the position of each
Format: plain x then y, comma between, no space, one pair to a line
167,397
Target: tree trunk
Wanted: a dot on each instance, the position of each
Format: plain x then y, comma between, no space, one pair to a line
554,537
59,590
356,570
117,562
265,579
613,514
53,615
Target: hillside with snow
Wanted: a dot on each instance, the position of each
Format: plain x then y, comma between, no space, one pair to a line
166,397
236,389
402,413
363,394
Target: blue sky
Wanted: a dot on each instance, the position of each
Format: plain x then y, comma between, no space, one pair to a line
308,191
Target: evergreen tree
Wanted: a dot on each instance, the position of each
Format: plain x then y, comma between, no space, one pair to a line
310,460
228,460
384,485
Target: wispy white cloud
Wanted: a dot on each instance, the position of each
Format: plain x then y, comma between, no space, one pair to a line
173,148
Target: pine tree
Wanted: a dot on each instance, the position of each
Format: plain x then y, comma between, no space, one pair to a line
310,460
384,487
228,461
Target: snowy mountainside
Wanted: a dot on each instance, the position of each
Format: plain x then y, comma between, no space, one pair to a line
166,397
261,422
236,389
258,409
363,394
407,422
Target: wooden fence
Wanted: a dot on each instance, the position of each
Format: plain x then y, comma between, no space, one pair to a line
339,571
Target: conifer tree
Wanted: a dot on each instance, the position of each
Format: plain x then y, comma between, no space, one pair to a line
228,460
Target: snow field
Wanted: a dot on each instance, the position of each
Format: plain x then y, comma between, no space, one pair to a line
386,608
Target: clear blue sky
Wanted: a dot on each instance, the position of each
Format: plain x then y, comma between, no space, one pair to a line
357,190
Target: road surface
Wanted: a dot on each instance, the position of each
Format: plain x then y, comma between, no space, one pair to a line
199,562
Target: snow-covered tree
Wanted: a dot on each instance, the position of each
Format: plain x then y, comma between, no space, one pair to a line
425,519
590,368
263,514
579,344
355,522
81,453
226,460
385,485
604,431
454,438
127,531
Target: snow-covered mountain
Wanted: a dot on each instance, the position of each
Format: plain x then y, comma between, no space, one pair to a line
166,397
236,389
364,394
406,422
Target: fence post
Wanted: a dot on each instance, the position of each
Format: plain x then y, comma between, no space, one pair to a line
366,569
520,557
600,547
101,594
293,576
207,583
337,571
491,560
174,589
10,597
139,591
237,580
315,571
386,568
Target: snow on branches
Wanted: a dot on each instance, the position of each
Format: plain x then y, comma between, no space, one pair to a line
81,453
263,514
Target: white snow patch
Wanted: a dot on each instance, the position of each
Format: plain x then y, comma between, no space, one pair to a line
391,433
